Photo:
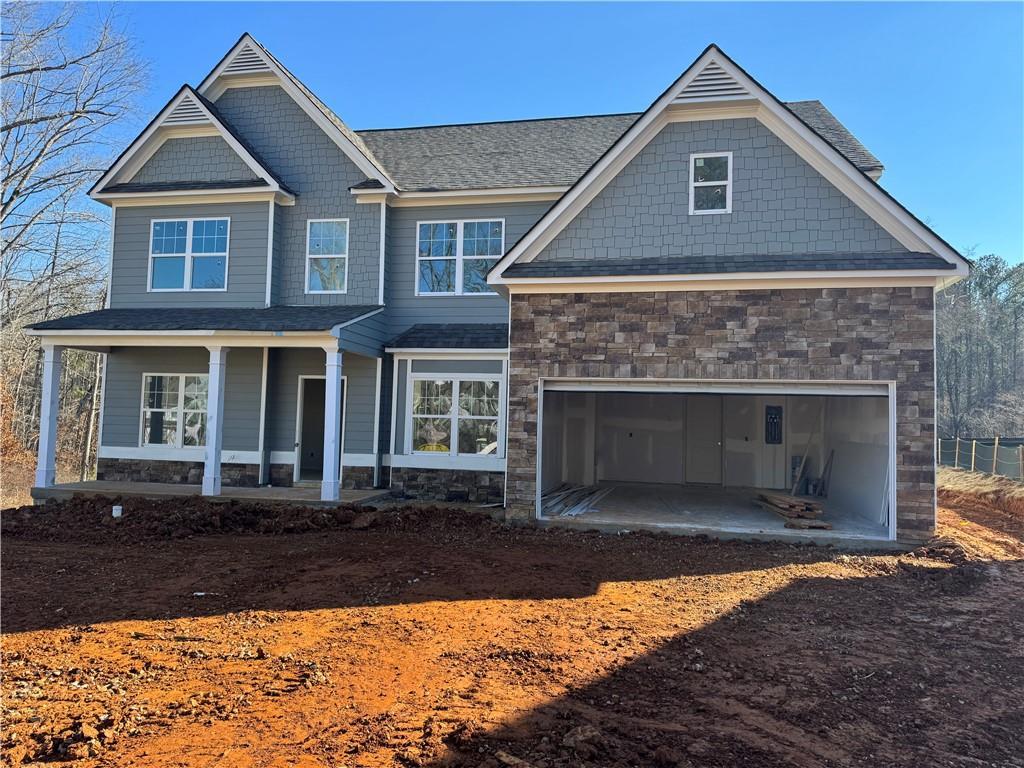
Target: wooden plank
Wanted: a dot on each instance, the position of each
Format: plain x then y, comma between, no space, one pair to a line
804,524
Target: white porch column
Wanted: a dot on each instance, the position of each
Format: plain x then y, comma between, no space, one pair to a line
46,468
330,486
214,420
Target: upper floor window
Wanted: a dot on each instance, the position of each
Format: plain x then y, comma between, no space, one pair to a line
711,182
327,256
174,409
453,257
189,255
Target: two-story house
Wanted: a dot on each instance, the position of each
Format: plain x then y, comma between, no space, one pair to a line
679,305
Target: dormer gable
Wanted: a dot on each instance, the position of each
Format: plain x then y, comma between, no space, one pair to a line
249,64
187,116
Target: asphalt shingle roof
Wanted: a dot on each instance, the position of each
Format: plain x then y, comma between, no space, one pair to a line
453,336
687,265
831,130
547,152
319,318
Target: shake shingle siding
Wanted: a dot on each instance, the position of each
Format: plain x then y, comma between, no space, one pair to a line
194,159
313,167
780,205
247,256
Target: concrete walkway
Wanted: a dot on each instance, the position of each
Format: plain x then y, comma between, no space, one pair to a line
300,495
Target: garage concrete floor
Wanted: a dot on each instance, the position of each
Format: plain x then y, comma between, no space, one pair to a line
712,510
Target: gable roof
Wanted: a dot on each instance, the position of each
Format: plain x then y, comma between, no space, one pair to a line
248,57
187,108
715,84
553,151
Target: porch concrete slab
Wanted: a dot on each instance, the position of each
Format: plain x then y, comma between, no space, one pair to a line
712,511
299,495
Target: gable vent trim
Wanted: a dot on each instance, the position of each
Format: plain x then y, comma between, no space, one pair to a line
246,62
188,112
712,83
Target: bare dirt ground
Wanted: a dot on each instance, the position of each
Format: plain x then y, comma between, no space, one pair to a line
190,635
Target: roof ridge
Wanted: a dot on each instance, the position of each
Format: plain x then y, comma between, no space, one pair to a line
498,122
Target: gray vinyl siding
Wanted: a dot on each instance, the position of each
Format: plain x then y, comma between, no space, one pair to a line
366,337
320,174
286,365
780,205
431,366
196,158
122,396
247,256
404,307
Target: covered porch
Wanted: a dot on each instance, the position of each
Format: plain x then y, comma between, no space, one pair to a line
187,377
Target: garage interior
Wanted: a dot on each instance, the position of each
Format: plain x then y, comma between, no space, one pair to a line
701,460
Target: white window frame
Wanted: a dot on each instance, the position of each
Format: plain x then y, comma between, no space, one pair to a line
348,235
179,408
456,379
459,230
727,182
187,282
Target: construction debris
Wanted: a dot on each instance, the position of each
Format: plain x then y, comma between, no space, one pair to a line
799,511
572,500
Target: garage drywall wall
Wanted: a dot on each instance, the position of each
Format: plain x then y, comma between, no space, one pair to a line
553,445
640,437
856,428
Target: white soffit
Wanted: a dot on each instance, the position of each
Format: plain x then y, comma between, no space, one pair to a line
706,88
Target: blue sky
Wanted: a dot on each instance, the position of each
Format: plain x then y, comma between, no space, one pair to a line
936,91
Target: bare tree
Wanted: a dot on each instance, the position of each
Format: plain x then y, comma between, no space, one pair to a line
68,79
979,356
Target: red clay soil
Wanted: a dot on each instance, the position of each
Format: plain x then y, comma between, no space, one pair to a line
187,634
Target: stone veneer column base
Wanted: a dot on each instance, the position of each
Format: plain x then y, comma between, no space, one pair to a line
448,485
360,478
184,472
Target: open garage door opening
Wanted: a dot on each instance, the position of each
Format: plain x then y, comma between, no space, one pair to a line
707,461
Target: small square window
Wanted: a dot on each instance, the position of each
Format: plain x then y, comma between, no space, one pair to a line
711,182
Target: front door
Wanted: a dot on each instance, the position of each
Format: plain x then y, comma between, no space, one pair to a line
311,430
704,439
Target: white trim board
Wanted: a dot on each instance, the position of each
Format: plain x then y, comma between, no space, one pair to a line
821,155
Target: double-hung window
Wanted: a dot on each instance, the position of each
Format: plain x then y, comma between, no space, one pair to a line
456,416
711,182
327,256
188,255
453,257
174,409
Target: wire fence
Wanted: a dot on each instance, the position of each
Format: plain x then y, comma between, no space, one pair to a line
991,455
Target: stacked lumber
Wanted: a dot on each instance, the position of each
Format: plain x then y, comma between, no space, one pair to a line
571,500
799,511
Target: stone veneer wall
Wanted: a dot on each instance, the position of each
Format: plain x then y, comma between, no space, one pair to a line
186,472
862,334
448,485
357,477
